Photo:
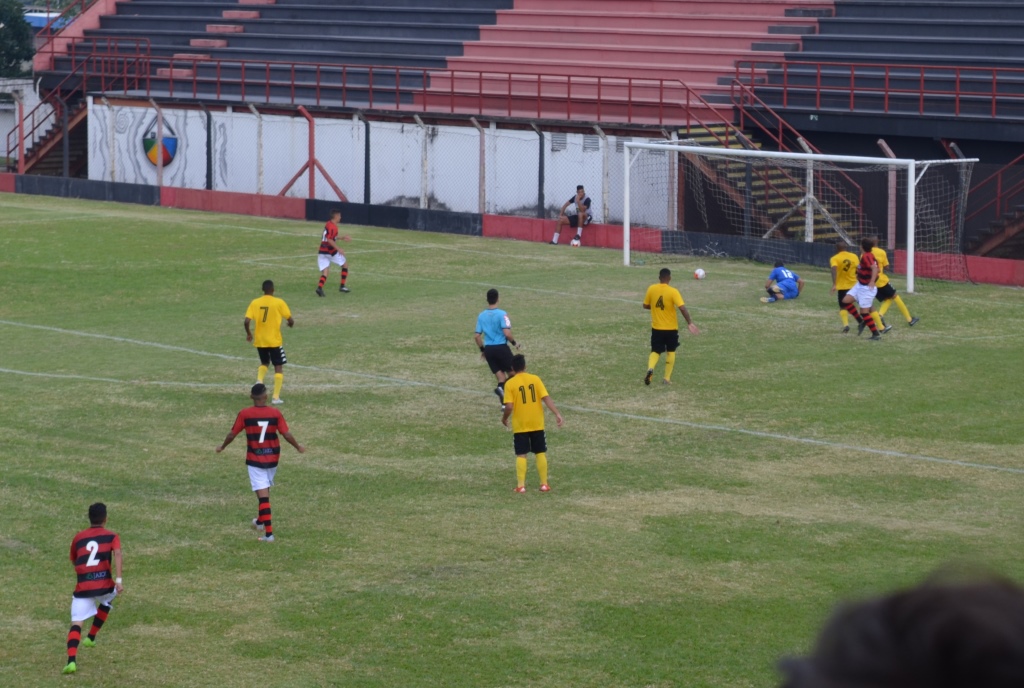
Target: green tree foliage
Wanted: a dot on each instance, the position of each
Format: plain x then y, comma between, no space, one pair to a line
15,38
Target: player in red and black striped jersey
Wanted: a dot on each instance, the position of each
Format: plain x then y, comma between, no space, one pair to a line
263,425
863,293
92,552
330,253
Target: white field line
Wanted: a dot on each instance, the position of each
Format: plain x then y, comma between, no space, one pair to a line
579,409
227,386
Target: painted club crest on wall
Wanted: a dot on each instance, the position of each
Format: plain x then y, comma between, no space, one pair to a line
168,147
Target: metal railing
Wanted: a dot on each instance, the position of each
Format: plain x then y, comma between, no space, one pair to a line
936,90
48,33
1005,187
123,65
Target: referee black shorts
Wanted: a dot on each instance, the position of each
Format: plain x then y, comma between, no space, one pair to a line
272,355
498,357
885,293
526,442
841,293
664,340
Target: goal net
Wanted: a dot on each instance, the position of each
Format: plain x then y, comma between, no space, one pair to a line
684,200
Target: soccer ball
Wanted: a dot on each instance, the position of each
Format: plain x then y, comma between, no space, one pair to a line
698,274
575,242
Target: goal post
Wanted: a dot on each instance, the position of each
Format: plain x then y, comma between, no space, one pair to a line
794,207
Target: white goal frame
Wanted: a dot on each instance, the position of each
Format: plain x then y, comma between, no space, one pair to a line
909,164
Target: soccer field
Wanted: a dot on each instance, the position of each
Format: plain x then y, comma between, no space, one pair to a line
694,533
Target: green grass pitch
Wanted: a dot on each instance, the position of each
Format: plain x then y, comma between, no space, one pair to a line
694,534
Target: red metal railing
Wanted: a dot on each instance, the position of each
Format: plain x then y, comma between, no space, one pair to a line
122,65
903,88
1005,187
758,116
45,36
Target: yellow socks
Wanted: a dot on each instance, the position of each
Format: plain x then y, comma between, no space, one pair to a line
878,320
521,471
670,363
884,307
542,467
903,307
261,373
652,360
845,317
278,381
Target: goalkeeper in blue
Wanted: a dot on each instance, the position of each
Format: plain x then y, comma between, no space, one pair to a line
782,284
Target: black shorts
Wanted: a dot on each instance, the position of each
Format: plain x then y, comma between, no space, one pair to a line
885,293
272,355
664,340
574,220
526,442
498,357
841,293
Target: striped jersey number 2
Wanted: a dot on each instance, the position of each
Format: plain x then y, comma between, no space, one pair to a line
264,424
94,548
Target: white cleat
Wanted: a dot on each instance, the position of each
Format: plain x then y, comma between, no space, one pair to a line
277,402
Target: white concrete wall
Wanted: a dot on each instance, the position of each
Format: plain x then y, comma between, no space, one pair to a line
413,165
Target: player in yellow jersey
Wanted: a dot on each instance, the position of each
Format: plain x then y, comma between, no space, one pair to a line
844,276
886,292
662,301
524,394
267,313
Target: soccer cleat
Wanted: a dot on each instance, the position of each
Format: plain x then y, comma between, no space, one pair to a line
554,243
913,321
648,376
666,382
886,329
86,642
266,538
860,327
256,525
520,490
319,291
70,668
277,401
343,289
767,299
545,488
875,337
846,329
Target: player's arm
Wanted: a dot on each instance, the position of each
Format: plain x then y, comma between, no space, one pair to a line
117,571
874,275
506,413
248,332
507,331
768,284
799,285
835,275
689,321
227,440
290,321
479,342
551,407
292,441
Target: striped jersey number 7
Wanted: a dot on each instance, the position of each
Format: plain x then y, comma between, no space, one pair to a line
264,424
265,309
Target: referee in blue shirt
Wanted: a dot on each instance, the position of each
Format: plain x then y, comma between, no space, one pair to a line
493,335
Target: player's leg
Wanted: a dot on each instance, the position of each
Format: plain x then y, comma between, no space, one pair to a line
261,480
868,313
102,612
343,262
501,377
671,345
843,315
658,347
904,310
81,609
521,446
562,220
324,263
539,447
848,303
261,372
278,358
774,294
574,222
